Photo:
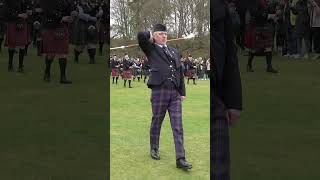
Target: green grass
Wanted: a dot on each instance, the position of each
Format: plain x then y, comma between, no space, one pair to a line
278,135
130,123
53,131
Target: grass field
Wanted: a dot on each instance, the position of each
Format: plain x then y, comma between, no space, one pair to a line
278,135
59,132
130,123
51,131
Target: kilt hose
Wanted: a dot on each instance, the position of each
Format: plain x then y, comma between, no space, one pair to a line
163,99
219,146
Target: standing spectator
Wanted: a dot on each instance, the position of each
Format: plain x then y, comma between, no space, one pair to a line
315,24
302,27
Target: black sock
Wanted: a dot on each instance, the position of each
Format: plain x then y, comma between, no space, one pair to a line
39,48
269,60
11,53
129,83
194,81
188,81
125,82
48,62
63,66
100,47
138,79
1,44
22,53
76,55
116,80
26,49
250,59
112,80
92,54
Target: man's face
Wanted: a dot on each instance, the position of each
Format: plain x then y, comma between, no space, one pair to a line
160,37
126,57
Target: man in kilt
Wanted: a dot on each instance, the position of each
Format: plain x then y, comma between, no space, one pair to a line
168,90
55,36
226,100
191,72
115,65
17,31
85,31
145,69
259,35
127,74
137,69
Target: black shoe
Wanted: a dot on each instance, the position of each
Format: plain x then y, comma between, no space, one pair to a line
183,164
271,70
130,87
10,68
65,81
20,70
47,78
155,154
249,69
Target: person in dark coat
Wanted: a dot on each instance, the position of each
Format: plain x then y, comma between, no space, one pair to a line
3,10
145,69
168,90
303,29
226,100
191,72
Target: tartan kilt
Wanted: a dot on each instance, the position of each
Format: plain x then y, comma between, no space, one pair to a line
16,37
257,38
80,35
55,41
115,72
191,73
127,75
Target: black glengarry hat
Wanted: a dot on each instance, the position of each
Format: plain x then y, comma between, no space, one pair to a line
159,27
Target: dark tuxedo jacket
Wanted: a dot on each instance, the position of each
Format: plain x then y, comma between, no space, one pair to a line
226,83
160,69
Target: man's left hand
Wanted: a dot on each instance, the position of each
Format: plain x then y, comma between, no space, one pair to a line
182,98
233,116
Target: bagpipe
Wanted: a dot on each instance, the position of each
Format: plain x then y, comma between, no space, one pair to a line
189,36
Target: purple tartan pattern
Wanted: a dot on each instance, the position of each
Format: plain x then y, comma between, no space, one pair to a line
161,101
219,144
